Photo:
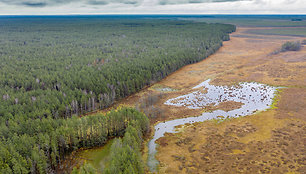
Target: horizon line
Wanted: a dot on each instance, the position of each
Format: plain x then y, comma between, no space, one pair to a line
169,14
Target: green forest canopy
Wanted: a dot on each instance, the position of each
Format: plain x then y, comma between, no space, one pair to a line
38,146
54,68
58,67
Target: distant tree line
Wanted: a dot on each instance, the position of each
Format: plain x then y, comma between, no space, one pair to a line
38,146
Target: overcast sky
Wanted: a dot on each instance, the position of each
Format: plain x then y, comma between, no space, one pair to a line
50,7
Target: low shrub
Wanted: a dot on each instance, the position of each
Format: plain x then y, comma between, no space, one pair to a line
291,46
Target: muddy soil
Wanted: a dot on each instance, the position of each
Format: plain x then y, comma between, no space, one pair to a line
272,141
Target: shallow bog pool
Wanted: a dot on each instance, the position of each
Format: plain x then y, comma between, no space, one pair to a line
253,96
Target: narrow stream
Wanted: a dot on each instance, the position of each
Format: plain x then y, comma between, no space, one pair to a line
253,96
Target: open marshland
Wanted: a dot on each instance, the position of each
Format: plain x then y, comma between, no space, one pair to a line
268,141
152,94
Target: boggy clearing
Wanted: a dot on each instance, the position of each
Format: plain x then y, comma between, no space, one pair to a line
272,141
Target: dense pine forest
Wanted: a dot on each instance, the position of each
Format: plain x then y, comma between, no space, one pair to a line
125,153
65,66
37,146
53,69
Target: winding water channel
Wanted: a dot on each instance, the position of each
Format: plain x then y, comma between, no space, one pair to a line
253,96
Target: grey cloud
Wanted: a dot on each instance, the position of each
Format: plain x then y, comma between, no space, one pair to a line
260,2
95,2
34,4
173,2
132,2
43,3
104,2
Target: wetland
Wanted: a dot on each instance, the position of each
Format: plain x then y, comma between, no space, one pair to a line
259,141
253,96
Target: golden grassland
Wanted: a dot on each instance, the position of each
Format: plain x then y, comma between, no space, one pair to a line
271,141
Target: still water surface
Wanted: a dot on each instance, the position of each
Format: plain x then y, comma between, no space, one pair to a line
253,96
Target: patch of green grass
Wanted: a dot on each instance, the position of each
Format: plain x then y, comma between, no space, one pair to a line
276,98
221,120
162,88
97,157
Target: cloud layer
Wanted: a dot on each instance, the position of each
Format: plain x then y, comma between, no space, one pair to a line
43,3
49,7
173,2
